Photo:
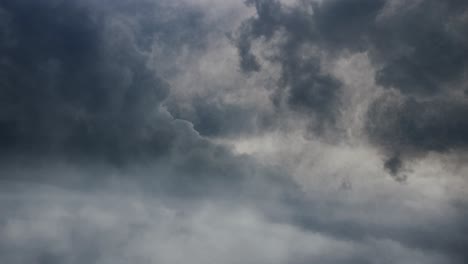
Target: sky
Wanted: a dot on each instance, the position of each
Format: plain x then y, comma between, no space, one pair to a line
229,131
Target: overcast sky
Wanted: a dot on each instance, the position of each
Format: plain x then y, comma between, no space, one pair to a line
230,131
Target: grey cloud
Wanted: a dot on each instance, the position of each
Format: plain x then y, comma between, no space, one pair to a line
434,235
414,127
422,49
67,87
216,119
394,165
76,79
419,49
423,54
77,89
342,25
114,226
303,85
115,170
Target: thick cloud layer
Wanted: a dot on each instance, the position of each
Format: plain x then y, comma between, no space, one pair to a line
303,86
74,82
419,49
308,131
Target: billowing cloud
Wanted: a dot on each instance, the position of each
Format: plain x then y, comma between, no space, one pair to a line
270,131
74,82
418,49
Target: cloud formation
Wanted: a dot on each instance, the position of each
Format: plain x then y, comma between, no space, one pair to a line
419,51
154,131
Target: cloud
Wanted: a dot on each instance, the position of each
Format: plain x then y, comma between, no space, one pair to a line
156,131
93,99
74,82
415,125
122,227
303,85
419,50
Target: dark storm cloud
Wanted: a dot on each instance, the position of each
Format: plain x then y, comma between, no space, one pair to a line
76,85
423,53
422,49
75,81
418,48
430,125
69,88
302,85
330,27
